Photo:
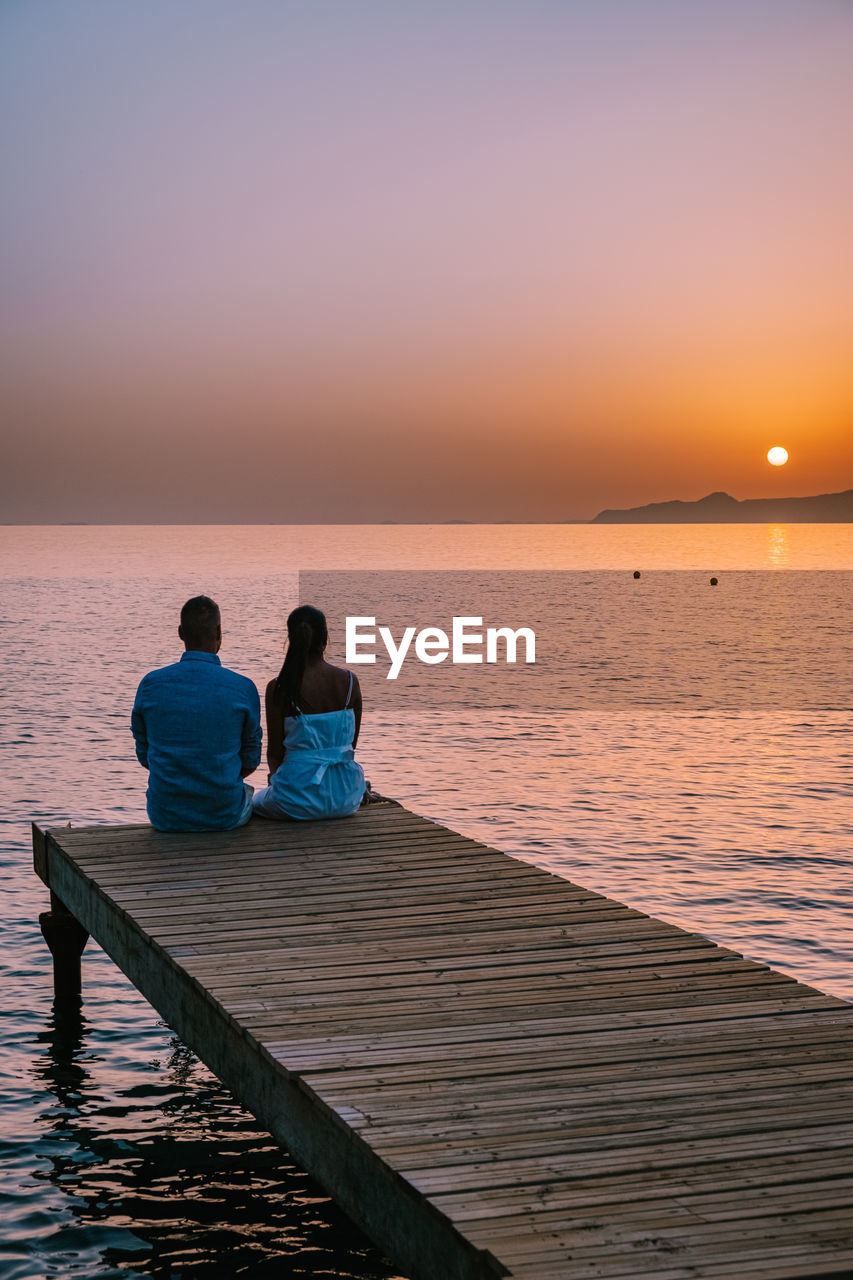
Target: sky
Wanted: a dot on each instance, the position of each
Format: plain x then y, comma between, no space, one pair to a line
280,262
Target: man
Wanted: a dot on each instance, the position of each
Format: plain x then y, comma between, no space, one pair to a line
197,727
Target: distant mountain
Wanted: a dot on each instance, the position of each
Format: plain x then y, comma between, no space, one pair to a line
721,508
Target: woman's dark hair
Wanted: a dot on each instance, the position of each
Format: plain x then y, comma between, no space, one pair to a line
306,637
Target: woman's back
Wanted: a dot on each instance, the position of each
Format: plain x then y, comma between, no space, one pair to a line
325,689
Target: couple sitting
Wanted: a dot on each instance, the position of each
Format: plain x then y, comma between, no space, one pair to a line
198,731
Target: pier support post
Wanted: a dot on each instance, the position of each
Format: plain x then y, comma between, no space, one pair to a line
66,938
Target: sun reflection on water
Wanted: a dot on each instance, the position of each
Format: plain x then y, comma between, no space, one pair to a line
778,551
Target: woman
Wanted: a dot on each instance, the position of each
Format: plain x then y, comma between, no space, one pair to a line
313,719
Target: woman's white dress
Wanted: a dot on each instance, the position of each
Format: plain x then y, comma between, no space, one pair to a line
319,776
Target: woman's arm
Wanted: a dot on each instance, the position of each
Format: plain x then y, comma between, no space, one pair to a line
275,730
355,703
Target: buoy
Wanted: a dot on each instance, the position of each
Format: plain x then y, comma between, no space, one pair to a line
636,573
713,582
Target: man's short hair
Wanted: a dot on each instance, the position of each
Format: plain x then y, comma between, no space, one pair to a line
199,621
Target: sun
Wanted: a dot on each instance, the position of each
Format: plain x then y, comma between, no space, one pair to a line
777,456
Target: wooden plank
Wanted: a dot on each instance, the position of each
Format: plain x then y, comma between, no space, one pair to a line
500,1146
658,954
366,907
406,975
420,852
440,925
482,943
184,885
342,1052
728,1205
412,1013
753,1176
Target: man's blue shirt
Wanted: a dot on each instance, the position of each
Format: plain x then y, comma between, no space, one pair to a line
197,727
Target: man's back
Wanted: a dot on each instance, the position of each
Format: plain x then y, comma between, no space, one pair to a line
197,730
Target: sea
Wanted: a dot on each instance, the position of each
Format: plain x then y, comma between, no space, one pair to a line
707,783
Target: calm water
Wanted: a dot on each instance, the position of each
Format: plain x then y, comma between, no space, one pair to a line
121,1156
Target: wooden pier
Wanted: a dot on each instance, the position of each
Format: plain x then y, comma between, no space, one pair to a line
493,1071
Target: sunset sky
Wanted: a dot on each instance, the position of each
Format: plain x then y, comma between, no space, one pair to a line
270,261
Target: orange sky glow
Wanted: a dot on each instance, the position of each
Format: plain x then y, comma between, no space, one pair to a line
500,262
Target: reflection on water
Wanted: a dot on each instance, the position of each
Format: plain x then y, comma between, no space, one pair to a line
778,552
120,1155
162,1174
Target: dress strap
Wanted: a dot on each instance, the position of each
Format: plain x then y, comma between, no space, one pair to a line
349,692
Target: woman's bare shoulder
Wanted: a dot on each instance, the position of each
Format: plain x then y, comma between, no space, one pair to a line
342,677
340,673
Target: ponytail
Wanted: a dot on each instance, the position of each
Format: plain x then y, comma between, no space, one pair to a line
306,637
